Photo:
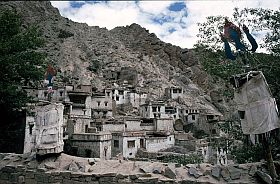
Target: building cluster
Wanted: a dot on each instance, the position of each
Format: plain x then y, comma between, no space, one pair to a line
119,120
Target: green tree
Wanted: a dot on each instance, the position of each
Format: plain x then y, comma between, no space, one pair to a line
260,22
20,61
210,50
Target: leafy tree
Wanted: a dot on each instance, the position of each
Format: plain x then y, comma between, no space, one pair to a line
20,61
210,50
210,46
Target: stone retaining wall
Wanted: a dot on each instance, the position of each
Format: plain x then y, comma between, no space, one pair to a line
19,175
66,169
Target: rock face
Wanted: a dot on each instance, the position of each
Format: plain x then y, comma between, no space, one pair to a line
82,55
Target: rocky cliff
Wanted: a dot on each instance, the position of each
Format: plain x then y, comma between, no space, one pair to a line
84,53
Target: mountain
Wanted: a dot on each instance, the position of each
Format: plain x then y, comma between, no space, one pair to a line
84,54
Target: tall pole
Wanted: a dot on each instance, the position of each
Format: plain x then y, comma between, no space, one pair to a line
268,155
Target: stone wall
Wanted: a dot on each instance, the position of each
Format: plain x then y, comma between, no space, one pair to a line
65,169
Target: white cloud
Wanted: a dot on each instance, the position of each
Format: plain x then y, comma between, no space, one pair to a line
121,13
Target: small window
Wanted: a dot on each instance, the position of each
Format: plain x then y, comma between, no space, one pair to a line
61,93
174,90
108,93
158,109
169,138
187,111
141,143
120,92
209,117
98,104
214,131
193,117
117,98
116,143
241,114
30,129
154,109
130,144
106,103
146,108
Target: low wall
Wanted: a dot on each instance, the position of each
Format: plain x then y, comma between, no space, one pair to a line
66,169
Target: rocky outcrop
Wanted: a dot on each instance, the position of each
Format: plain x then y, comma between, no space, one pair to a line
82,54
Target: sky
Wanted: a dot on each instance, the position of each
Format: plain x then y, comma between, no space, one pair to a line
173,22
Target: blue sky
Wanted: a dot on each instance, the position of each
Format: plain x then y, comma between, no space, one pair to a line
173,22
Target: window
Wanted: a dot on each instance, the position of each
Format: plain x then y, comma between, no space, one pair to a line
241,114
169,138
108,93
116,143
117,98
120,92
106,103
98,104
187,111
60,92
154,109
146,108
130,144
209,117
30,129
174,90
141,143
158,109
193,117
214,131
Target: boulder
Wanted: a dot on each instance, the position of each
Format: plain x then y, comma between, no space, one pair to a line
225,174
234,173
169,173
72,167
265,177
193,172
146,168
216,172
253,170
